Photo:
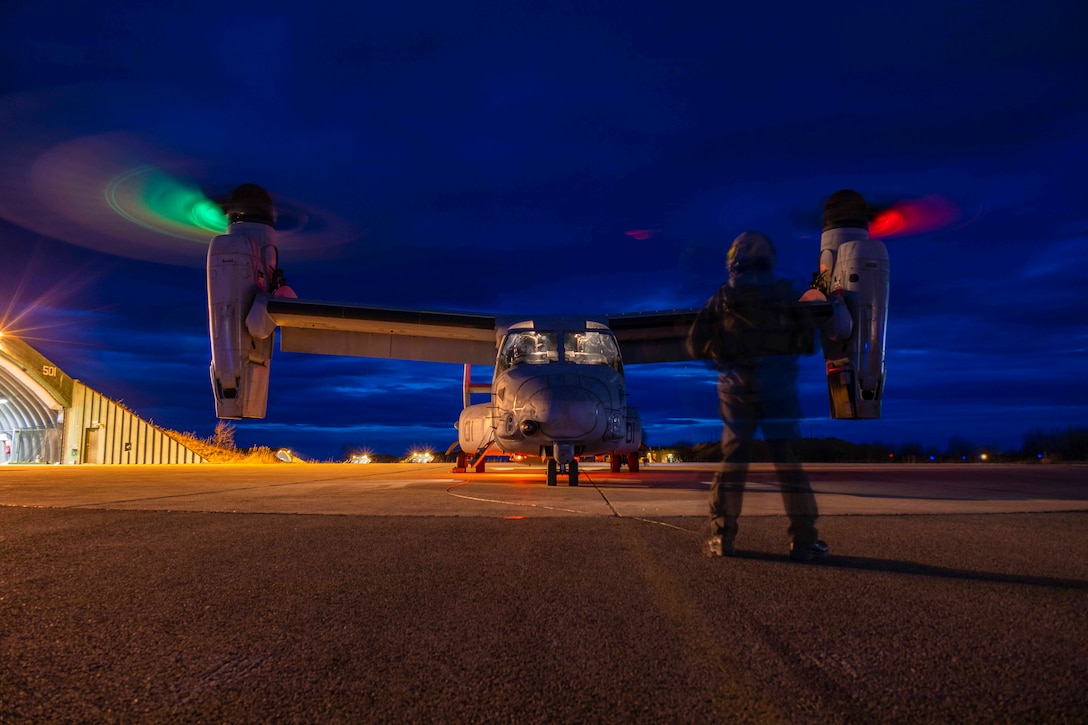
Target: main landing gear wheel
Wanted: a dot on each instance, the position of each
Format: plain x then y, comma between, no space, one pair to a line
618,460
553,470
573,479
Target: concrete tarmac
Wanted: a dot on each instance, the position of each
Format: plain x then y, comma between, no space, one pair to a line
336,593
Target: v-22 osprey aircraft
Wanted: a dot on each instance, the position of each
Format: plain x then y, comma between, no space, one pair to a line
558,389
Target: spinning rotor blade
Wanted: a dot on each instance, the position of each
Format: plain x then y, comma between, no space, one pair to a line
915,216
898,218
117,194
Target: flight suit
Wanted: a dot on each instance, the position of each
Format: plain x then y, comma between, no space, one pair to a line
754,392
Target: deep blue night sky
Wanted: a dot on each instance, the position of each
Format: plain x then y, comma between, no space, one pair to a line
494,156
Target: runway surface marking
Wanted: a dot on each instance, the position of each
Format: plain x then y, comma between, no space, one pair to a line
586,482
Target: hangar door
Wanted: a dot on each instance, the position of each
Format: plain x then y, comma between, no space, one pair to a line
31,405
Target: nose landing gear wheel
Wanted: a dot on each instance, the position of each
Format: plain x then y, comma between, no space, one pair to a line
573,479
553,469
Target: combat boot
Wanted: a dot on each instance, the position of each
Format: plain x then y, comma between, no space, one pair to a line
719,545
808,552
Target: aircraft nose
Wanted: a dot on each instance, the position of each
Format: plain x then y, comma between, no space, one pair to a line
565,412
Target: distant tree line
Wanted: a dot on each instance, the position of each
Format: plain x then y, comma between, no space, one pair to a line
1070,444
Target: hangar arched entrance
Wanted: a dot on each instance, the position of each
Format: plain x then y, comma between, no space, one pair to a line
33,397
47,417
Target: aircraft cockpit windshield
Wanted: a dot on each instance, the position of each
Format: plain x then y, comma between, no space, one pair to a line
589,347
540,347
529,347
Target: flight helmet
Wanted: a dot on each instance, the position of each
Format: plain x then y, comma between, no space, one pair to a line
751,252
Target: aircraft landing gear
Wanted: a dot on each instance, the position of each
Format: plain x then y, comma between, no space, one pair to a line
462,462
554,469
562,460
617,461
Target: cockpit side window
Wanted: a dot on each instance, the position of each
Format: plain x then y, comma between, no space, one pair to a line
589,347
529,347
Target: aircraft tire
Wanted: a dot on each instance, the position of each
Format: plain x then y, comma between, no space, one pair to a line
553,469
573,478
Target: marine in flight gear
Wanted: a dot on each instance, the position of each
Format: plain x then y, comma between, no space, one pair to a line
753,331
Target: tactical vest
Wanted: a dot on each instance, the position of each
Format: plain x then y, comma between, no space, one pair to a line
746,322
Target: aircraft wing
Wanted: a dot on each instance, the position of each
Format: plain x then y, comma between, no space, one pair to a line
383,332
653,337
456,337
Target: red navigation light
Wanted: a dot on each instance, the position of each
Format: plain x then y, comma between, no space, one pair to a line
913,217
886,223
641,235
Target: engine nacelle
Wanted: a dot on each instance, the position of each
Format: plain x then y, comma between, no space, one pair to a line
858,268
241,264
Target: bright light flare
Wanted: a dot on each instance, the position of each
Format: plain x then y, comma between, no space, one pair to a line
420,457
29,308
913,217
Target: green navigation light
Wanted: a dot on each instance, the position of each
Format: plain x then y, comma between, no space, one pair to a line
182,203
206,214
157,201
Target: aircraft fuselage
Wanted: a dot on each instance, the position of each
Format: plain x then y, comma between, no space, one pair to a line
558,392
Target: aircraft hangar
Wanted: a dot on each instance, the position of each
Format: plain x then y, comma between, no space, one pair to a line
47,417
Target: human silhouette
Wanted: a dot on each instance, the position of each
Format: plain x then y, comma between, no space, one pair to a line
753,330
